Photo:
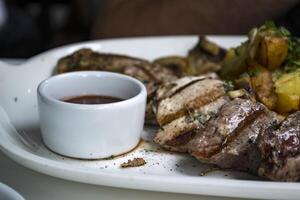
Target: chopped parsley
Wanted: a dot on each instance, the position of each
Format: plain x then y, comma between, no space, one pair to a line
254,72
293,58
279,30
201,118
228,85
292,62
276,74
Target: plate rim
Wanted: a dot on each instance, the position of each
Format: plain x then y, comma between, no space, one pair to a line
11,192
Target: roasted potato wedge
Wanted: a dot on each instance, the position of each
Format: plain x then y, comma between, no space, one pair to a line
273,51
288,92
262,83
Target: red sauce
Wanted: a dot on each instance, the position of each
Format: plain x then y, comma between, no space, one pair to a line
92,99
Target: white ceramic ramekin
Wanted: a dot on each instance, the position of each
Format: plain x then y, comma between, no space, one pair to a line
96,130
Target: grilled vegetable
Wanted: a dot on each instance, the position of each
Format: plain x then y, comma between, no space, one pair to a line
234,62
205,57
176,63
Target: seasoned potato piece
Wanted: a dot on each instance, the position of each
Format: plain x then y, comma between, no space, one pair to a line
261,80
273,51
288,92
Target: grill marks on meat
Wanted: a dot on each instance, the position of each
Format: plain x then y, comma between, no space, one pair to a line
184,107
175,135
189,98
238,134
170,88
232,118
169,137
280,149
241,152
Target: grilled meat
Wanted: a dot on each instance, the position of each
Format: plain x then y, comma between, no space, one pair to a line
170,88
280,150
239,134
190,96
230,139
86,59
177,134
232,118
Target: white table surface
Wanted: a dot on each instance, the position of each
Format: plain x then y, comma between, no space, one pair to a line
35,186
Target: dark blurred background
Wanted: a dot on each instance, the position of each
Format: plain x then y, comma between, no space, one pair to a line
28,27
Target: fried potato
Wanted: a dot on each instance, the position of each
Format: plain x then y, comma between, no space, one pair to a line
262,83
273,51
287,89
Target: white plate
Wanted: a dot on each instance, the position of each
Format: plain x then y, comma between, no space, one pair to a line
7,193
164,171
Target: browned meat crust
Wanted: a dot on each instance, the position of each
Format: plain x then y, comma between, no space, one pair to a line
241,134
136,162
240,150
280,150
232,118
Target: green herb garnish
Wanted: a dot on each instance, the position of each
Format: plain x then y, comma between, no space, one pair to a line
276,74
228,86
254,72
293,58
279,30
202,119
292,62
